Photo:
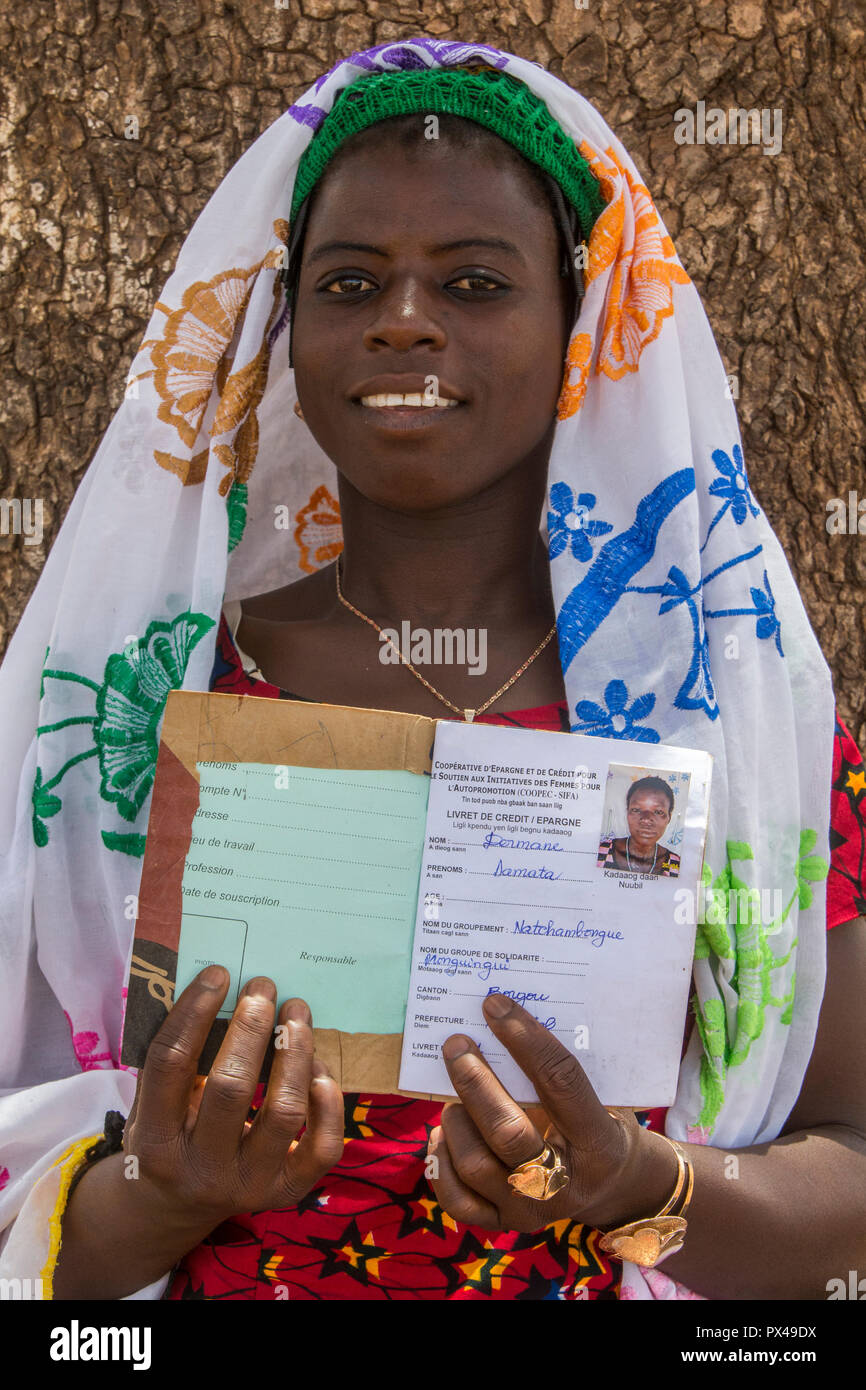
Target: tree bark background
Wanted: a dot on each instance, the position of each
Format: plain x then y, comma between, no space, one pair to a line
92,221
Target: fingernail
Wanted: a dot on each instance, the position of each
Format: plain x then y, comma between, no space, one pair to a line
497,1005
320,1071
456,1047
298,1011
212,977
260,987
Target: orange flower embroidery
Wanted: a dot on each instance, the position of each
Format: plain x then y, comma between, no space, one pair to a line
192,355
578,360
239,400
319,530
640,295
193,343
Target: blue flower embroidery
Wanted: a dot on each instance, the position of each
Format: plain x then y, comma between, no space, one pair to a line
696,691
765,610
568,525
733,485
618,560
619,720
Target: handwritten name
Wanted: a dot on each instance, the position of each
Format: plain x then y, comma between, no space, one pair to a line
520,996
507,871
597,935
525,997
505,842
450,964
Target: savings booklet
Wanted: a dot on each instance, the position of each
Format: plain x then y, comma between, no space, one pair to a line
393,870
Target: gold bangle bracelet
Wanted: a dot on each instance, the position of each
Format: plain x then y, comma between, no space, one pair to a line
682,1172
649,1240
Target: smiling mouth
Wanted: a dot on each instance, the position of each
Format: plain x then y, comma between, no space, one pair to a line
413,401
398,414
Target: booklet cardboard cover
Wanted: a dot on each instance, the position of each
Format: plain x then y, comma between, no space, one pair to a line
207,727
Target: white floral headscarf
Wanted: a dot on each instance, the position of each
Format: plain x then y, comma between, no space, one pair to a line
678,621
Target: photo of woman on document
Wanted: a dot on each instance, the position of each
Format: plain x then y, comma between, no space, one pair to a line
649,805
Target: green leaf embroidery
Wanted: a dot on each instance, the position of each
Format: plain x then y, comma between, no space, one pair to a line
45,805
129,706
711,1026
738,849
728,902
814,868
713,1092
128,844
789,997
236,503
810,868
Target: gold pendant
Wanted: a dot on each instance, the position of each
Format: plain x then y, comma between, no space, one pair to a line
468,716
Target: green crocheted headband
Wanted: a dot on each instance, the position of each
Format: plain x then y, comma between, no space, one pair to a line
489,97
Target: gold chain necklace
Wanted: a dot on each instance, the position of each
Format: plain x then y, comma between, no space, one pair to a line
468,714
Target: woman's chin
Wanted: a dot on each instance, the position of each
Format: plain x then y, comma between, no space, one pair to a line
414,487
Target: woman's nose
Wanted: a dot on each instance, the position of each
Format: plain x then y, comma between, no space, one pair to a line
404,320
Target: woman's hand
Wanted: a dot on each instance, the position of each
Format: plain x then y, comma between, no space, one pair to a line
199,1159
618,1172
195,1147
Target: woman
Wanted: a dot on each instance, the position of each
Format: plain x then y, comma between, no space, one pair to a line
649,805
429,261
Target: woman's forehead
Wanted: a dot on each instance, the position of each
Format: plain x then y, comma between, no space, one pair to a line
462,148
390,184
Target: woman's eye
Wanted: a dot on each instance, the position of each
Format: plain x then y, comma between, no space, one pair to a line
347,284
473,283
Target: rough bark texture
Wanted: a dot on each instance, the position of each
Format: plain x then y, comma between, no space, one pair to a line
93,221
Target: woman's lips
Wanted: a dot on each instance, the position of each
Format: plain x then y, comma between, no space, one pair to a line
404,416
384,399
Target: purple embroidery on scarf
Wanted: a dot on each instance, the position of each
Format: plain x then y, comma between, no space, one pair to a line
320,81
403,56
444,51
308,115
83,1045
4,1177
278,327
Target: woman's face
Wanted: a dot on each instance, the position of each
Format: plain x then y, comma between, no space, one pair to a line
648,816
430,271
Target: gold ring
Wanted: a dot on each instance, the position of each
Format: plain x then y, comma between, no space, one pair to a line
540,1177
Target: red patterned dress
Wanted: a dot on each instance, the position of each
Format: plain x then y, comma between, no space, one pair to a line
372,1227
